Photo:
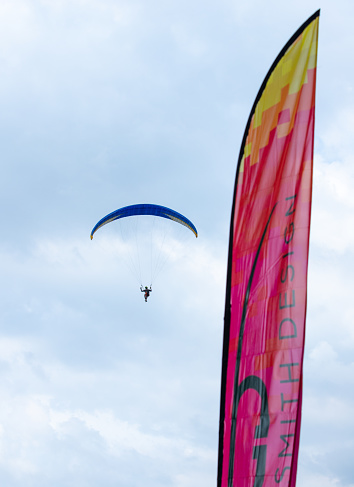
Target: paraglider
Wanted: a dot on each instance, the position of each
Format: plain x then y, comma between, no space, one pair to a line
143,240
146,292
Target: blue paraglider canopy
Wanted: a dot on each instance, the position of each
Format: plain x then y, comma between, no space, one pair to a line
145,209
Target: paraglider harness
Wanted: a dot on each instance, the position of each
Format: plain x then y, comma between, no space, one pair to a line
146,291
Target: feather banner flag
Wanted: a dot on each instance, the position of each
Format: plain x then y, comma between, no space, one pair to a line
265,310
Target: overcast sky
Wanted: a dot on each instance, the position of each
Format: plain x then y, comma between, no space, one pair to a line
107,103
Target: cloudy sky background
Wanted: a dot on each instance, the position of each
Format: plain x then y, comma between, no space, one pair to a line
105,103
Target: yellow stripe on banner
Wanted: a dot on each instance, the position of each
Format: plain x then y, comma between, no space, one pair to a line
281,92
302,55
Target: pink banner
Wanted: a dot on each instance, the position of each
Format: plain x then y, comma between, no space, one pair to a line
265,311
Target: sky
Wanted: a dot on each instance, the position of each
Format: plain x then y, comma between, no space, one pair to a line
107,103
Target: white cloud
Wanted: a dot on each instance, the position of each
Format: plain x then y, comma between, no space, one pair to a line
332,225
308,479
31,423
121,435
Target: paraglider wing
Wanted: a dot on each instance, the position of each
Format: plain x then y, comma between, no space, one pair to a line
145,209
